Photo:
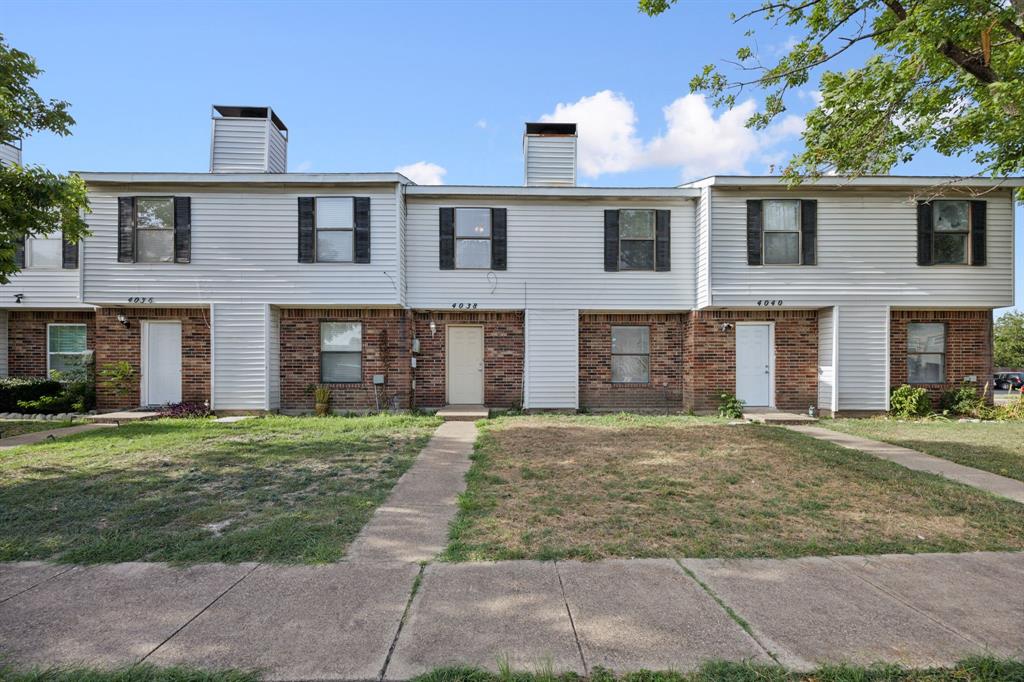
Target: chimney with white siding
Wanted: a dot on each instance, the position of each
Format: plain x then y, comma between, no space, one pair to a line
248,140
549,151
10,154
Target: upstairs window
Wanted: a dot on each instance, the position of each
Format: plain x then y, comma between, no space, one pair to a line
952,226
472,238
45,253
636,239
926,353
65,346
335,229
631,355
782,232
341,352
154,229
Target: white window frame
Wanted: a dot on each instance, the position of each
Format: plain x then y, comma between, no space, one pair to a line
614,355
799,233
351,230
138,251
50,326
966,234
29,265
653,240
322,352
489,238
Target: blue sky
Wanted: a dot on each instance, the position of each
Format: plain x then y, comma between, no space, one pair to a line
386,85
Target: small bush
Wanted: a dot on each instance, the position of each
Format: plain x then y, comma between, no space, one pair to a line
963,401
730,406
908,402
14,391
185,410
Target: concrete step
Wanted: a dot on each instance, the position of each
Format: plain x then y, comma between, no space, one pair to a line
463,413
779,418
123,417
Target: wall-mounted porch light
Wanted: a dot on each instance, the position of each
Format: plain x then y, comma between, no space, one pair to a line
124,321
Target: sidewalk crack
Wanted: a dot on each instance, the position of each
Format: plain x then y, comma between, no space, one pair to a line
35,585
572,622
201,612
401,621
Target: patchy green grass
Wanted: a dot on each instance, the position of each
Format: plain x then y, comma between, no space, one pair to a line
997,447
18,427
140,673
284,489
626,486
970,670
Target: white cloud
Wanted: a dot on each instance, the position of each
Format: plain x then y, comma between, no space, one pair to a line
694,139
423,173
482,123
814,96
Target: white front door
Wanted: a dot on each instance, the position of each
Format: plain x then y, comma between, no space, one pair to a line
465,365
754,364
161,363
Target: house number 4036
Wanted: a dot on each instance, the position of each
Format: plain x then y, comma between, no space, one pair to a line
140,299
769,302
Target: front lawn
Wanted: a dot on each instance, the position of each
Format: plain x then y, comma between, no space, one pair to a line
19,427
623,486
286,489
997,447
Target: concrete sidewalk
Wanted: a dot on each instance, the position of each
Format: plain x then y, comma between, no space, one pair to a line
345,621
919,461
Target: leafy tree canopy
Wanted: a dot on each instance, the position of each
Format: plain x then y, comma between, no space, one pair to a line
34,202
945,74
1009,341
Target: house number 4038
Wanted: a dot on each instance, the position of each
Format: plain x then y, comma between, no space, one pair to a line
464,306
769,302
140,299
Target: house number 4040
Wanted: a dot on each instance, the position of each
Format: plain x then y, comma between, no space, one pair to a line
769,302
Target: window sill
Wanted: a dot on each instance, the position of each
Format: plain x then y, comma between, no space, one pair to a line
630,383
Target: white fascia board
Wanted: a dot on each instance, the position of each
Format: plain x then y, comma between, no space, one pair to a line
839,182
265,179
559,192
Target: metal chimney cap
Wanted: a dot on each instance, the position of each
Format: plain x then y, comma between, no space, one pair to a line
550,128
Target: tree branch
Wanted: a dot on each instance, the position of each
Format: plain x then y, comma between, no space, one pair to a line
969,62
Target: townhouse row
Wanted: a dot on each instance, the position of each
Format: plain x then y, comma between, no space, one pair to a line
246,286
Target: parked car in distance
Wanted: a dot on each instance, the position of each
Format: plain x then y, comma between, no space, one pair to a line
1007,380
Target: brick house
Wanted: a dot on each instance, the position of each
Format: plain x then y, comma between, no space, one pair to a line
247,286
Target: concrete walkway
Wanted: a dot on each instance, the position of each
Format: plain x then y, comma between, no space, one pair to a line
412,524
39,436
354,620
919,461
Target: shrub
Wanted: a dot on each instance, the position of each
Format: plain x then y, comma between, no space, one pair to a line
75,392
120,377
185,410
730,406
962,401
908,402
14,391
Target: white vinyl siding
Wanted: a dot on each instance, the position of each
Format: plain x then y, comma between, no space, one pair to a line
863,360
866,251
273,358
550,160
44,289
555,259
240,355
245,247
703,252
239,145
551,364
827,320
277,158
9,155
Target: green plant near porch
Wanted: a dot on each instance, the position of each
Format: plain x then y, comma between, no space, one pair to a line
120,377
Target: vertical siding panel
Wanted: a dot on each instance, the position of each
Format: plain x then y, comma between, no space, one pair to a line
3,343
826,358
551,363
863,357
273,358
240,353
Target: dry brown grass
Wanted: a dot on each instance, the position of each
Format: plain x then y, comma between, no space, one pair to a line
591,487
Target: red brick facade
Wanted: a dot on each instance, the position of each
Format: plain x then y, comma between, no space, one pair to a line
968,346
386,347
664,390
26,338
504,349
709,354
115,342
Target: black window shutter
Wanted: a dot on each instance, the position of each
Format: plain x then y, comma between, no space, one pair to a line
126,229
809,232
182,229
924,233
663,241
499,238
361,209
307,230
69,254
446,241
755,231
19,253
978,229
611,241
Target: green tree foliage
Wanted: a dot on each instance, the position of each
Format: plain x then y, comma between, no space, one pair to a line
945,74
33,200
1009,340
